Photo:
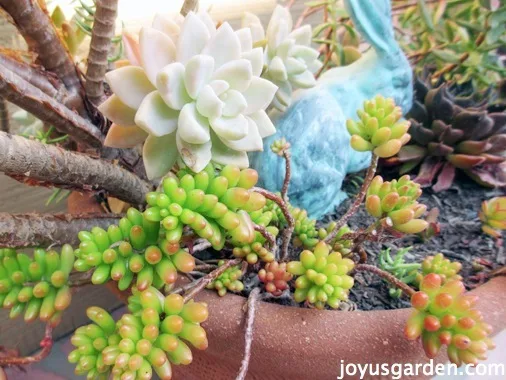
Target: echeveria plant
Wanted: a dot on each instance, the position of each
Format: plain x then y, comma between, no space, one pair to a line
191,91
290,61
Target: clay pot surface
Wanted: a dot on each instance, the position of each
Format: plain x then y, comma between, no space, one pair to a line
297,343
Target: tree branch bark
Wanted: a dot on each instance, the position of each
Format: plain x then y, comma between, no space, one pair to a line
34,163
43,230
38,30
20,92
188,6
4,116
102,33
45,81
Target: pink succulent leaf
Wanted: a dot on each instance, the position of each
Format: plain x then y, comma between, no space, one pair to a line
498,144
430,167
464,161
489,175
445,178
473,147
439,149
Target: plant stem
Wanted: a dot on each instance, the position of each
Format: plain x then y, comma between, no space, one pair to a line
288,231
48,109
42,38
268,236
46,343
248,336
103,30
207,279
34,163
288,174
359,198
408,290
188,6
4,116
42,230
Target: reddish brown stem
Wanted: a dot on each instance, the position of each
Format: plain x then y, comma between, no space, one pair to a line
288,231
34,163
248,336
288,174
268,236
358,199
42,230
102,33
208,278
409,291
46,343
306,13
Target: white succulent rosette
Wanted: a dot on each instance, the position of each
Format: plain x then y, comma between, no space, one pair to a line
196,93
290,60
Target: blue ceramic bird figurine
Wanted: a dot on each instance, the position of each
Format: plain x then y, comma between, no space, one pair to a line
315,124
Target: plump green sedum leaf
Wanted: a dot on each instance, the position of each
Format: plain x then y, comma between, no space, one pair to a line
155,336
37,286
444,315
379,128
322,277
397,200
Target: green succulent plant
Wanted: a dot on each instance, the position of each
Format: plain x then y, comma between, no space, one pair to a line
379,128
322,277
275,278
153,337
493,216
406,272
229,280
444,315
397,200
460,38
37,286
438,264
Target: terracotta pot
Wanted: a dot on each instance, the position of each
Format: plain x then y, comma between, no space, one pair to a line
295,343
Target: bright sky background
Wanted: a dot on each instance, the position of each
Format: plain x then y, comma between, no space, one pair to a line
135,13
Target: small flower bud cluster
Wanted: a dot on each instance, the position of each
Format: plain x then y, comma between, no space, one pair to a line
444,315
280,146
379,128
493,216
398,201
228,280
37,286
322,277
275,278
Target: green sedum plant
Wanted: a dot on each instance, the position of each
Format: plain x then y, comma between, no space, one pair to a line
438,264
38,286
228,281
493,216
444,315
322,277
406,272
397,200
379,128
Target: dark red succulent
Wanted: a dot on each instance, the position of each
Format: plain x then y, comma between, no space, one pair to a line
450,132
